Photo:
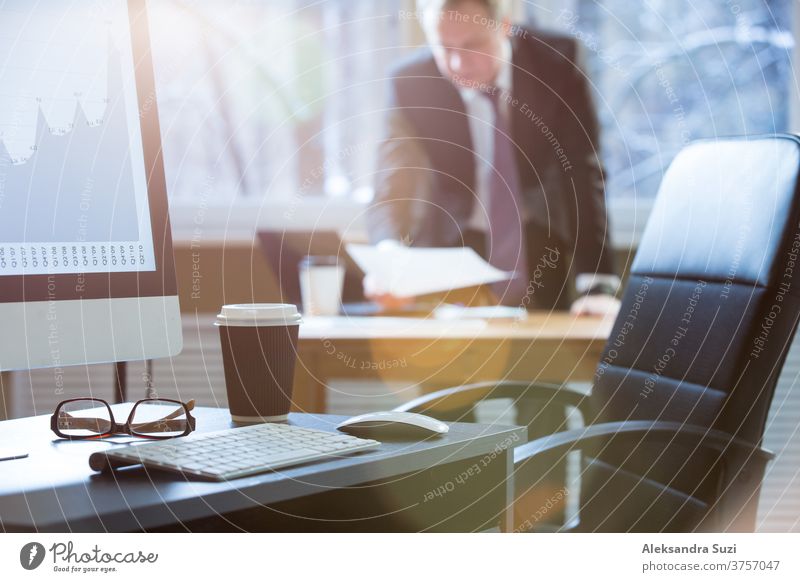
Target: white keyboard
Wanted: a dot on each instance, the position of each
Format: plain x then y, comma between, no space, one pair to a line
234,452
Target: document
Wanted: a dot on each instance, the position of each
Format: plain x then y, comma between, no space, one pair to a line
485,312
409,272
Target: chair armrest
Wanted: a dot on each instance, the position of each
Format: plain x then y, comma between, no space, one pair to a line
450,399
640,431
727,511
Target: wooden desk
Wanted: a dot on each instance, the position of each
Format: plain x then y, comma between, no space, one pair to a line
547,347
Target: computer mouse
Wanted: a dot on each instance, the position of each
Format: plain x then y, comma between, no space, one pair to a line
392,424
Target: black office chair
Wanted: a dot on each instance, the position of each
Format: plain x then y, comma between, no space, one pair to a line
676,415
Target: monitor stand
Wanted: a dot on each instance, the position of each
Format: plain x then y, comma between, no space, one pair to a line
5,395
121,381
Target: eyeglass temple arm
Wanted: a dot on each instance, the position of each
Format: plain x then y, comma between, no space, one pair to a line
94,423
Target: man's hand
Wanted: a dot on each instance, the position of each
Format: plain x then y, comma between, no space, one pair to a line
387,301
377,293
597,305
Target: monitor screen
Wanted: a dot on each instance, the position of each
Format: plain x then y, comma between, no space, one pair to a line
83,209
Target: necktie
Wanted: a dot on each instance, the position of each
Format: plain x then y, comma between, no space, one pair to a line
506,237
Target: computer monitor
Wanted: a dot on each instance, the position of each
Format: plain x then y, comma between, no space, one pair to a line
86,265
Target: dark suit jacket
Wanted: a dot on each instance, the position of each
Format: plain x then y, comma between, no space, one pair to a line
426,170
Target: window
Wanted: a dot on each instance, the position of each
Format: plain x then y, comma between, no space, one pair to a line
668,72
270,99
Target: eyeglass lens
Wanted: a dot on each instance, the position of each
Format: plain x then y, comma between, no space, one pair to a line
81,418
159,418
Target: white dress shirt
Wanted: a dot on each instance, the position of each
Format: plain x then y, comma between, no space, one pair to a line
481,117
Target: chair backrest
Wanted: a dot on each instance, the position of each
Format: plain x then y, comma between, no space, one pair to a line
707,317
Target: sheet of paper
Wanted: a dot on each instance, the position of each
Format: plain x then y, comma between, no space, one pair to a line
400,325
409,272
494,312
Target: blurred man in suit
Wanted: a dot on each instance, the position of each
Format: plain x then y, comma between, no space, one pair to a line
492,143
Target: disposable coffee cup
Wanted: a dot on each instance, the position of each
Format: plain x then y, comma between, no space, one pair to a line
321,284
259,351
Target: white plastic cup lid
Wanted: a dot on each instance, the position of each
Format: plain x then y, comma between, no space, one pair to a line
259,314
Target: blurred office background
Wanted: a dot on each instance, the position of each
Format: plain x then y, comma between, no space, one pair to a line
270,101
271,114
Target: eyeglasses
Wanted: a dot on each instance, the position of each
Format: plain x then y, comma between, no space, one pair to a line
152,418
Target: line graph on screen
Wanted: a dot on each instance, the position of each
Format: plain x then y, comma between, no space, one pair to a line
73,194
